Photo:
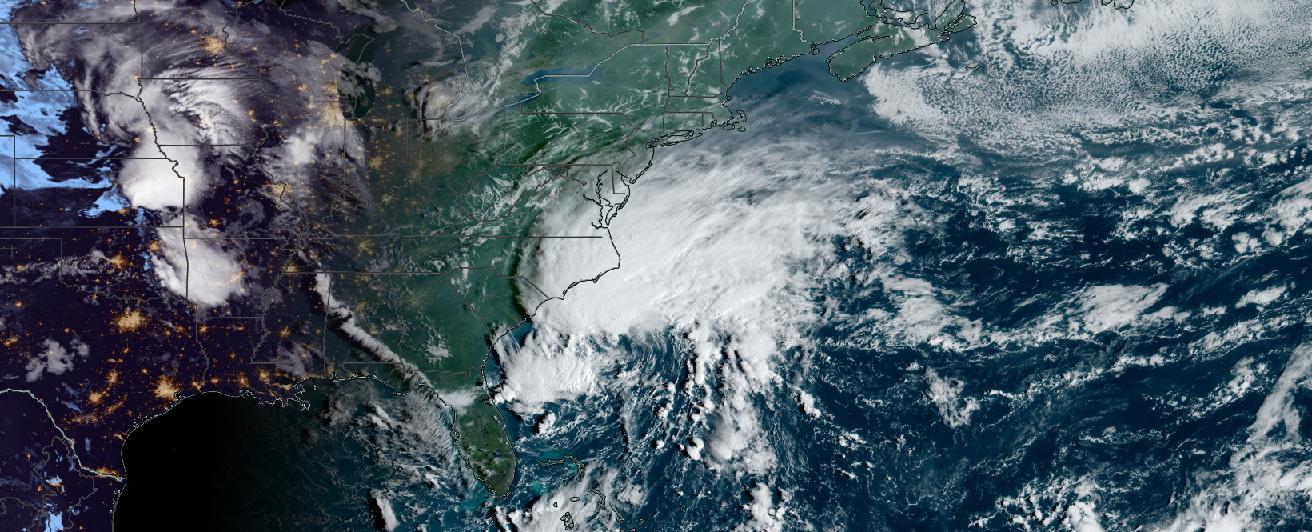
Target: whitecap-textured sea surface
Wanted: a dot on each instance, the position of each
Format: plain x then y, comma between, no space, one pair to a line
1050,274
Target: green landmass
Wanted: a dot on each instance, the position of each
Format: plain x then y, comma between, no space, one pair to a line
459,194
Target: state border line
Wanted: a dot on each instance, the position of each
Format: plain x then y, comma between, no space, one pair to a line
390,235
3,89
610,169
43,227
141,42
13,250
715,42
13,210
44,158
68,22
211,145
14,225
183,227
398,273
198,78
718,53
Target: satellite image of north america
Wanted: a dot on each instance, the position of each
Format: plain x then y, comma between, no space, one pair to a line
648,265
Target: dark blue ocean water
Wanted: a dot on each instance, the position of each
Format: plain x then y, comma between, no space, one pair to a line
1137,424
